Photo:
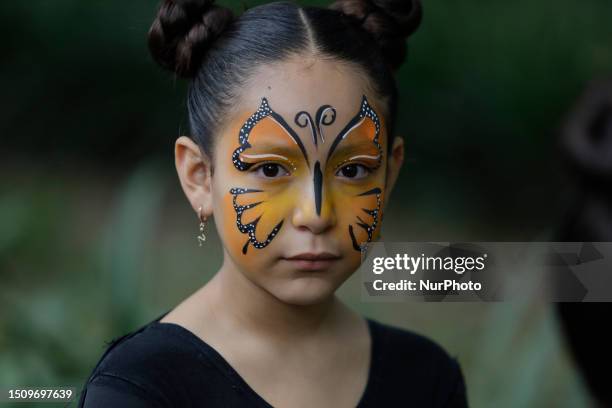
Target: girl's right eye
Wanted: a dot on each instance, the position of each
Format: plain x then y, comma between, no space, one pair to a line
271,171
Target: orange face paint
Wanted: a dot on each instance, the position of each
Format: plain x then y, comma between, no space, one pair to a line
342,169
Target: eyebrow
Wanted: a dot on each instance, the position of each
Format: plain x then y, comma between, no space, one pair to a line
364,156
269,156
263,156
271,150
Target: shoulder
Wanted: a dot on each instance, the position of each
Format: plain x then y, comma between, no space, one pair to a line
406,359
147,366
158,346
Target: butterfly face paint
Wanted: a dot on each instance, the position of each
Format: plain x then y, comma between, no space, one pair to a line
341,169
372,210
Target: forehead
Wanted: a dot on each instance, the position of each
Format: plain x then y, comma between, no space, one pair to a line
305,84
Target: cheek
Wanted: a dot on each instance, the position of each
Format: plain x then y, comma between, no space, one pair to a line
359,209
252,218
235,242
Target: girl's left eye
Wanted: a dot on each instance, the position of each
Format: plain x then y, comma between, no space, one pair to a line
353,171
271,170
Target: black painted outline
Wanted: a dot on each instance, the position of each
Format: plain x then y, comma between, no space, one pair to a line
250,227
262,112
369,228
365,111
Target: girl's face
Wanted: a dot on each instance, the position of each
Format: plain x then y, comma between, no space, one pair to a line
300,170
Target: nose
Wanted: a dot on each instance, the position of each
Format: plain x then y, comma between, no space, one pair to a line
314,210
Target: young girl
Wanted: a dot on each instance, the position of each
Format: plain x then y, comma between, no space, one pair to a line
292,111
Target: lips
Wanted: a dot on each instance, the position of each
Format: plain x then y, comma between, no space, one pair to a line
314,256
310,261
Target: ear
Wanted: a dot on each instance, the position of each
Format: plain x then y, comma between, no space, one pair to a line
194,171
394,164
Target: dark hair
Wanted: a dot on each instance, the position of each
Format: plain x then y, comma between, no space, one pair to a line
202,41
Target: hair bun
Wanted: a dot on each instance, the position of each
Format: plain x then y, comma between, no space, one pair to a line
389,21
183,31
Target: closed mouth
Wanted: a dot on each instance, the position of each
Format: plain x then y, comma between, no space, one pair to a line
310,256
312,261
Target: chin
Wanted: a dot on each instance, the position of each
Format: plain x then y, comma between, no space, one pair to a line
305,291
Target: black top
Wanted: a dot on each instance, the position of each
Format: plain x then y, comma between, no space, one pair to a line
166,365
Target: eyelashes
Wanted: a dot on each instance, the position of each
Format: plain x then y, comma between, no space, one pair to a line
270,170
354,171
358,167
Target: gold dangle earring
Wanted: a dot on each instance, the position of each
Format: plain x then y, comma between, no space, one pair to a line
201,238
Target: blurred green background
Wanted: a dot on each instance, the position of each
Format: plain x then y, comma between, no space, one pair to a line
96,237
